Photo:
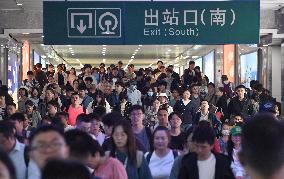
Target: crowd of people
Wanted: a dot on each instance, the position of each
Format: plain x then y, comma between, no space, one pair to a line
111,123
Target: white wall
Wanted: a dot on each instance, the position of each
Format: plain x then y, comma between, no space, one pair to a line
276,72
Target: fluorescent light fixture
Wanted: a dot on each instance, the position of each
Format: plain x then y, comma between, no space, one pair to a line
69,45
186,57
26,33
132,57
175,45
195,56
104,48
2,45
77,60
130,60
140,45
104,54
104,60
42,36
169,50
43,56
136,50
104,45
197,47
266,45
42,44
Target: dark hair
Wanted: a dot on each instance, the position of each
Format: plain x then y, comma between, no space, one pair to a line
221,89
120,83
263,140
26,91
75,81
39,65
65,114
29,103
203,134
136,107
240,86
6,161
17,117
54,103
65,169
83,118
162,83
131,65
211,84
11,104
99,111
32,90
30,73
82,144
162,108
74,94
160,61
82,86
7,128
44,129
88,78
191,63
74,70
103,101
162,128
111,118
131,142
69,88
174,113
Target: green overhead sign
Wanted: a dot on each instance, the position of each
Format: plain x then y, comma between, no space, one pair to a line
132,22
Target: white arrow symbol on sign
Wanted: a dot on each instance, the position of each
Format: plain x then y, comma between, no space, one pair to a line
82,27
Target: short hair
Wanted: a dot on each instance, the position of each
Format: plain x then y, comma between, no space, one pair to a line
83,118
174,113
74,94
5,159
263,134
120,62
120,83
100,111
65,114
65,169
111,118
163,108
162,82
136,107
29,103
17,117
11,104
240,86
44,129
81,144
131,65
204,134
30,73
211,84
191,63
89,79
159,61
54,103
39,65
82,87
162,128
8,129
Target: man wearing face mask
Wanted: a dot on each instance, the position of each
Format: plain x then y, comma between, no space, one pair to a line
134,95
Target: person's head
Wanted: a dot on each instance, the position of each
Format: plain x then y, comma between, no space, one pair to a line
75,99
186,94
96,124
238,120
87,68
119,86
211,88
84,148
30,75
35,93
220,91
18,120
88,81
50,79
162,85
75,84
7,136
73,71
203,137
263,140
109,120
83,122
7,169
191,65
159,64
49,94
161,138
65,169
119,64
59,68
236,135
130,68
224,78
38,66
204,106
11,108
50,68
2,98
175,93
63,116
123,139
240,90
156,104
137,115
29,106
99,97
47,142
82,90
23,92
69,91
175,120
163,116
225,129
163,98
195,89
52,107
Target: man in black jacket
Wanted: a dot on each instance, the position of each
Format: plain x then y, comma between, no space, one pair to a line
204,164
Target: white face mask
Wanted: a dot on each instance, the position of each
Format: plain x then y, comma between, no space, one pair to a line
226,132
150,93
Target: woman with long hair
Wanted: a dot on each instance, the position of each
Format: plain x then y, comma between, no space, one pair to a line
71,76
125,150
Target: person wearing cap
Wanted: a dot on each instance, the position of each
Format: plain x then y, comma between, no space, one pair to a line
164,100
233,148
88,73
240,104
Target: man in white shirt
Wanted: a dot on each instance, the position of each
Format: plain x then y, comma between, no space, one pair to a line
15,149
203,164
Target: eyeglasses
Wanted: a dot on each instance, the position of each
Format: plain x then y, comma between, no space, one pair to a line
44,146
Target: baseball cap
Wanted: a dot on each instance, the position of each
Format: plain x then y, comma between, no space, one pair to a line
237,130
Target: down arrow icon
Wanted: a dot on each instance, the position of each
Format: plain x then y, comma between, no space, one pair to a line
82,27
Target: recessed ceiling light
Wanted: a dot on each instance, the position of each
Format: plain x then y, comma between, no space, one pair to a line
19,4
42,44
175,45
69,45
104,48
2,45
70,48
104,54
136,50
77,60
140,45
169,50
72,54
104,60
42,36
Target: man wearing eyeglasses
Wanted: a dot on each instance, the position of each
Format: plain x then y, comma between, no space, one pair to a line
46,142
